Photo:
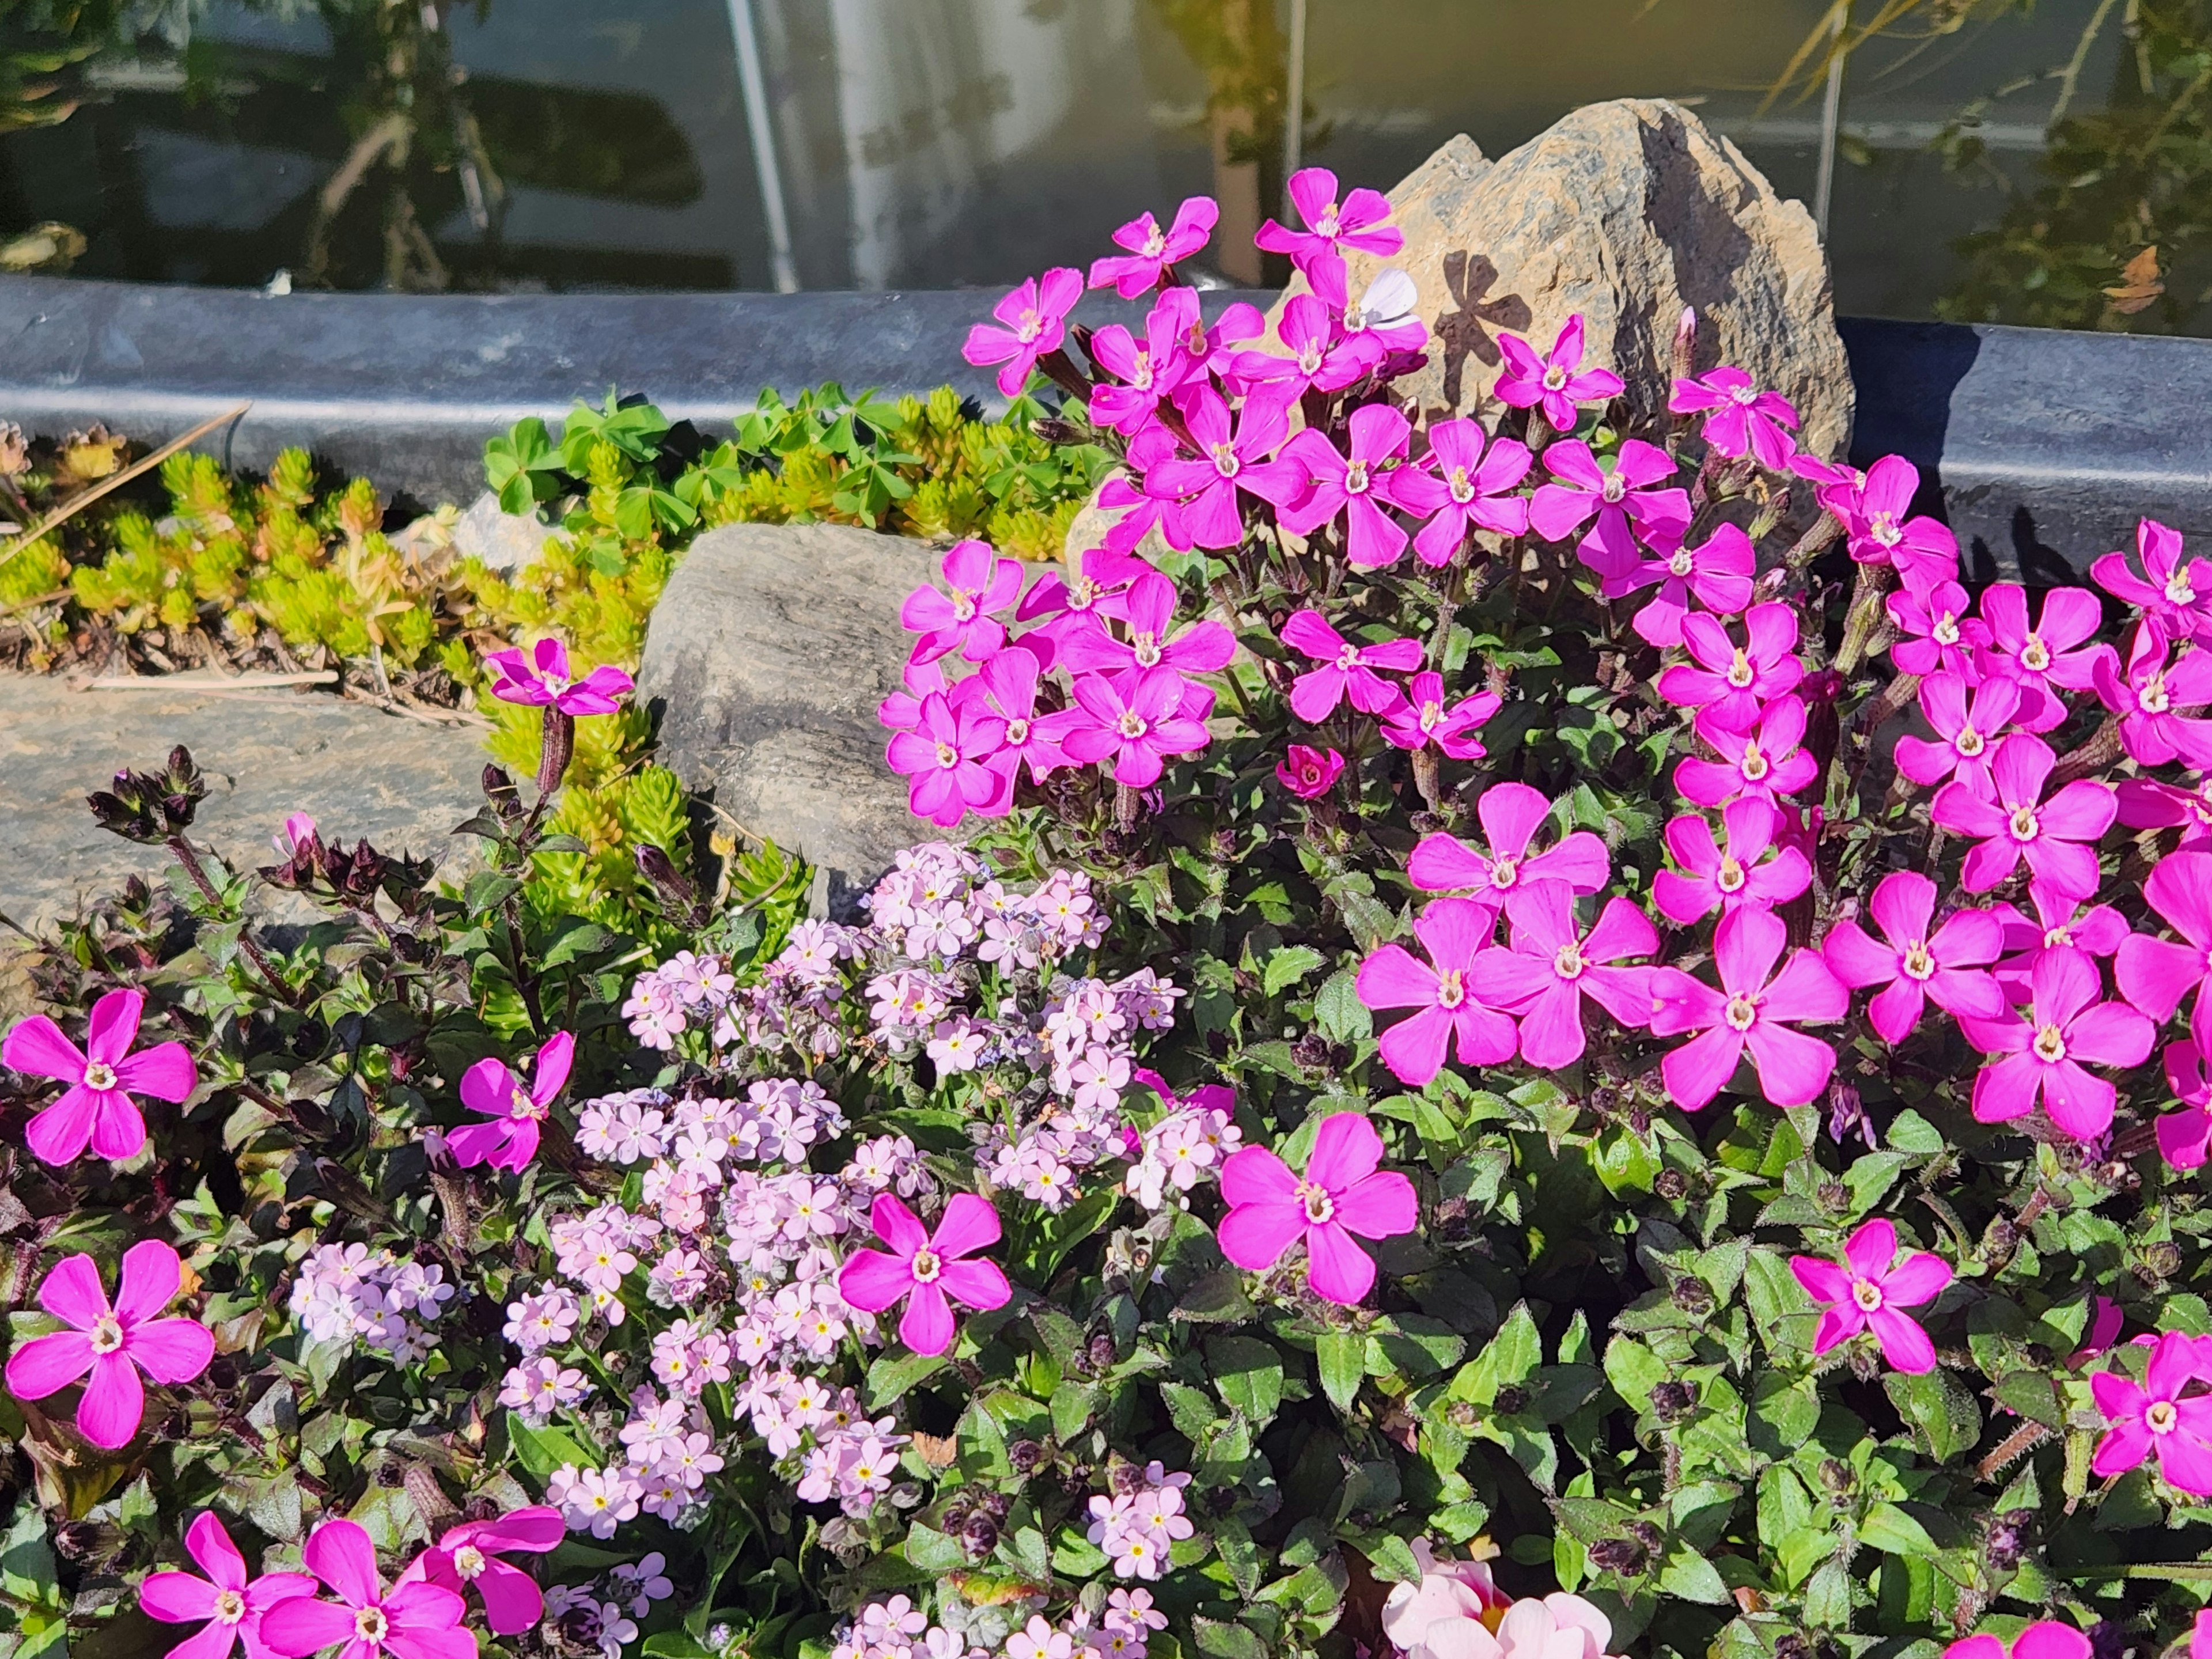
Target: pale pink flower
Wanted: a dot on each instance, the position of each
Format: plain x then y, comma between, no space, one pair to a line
1867,1288
108,1346
96,1109
1438,1615
1343,1193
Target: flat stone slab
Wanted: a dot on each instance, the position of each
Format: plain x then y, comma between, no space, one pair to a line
402,783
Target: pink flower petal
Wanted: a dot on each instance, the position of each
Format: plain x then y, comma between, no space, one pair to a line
300,1625
113,1404
172,1350
150,1276
208,1543
177,1598
339,1553
969,1225
1346,1150
72,1292
872,1281
36,1046
60,1133
1903,1344
927,1326
979,1284
1254,1235
1336,1268
1380,1205
45,1365
114,1025
1252,1175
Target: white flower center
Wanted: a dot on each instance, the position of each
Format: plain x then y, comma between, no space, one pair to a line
229,1606
947,756
2049,1044
1224,460
99,1074
1739,671
370,1625
1132,724
2152,699
1916,961
1969,742
927,1266
2024,826
1504,873
1615,487
1348,659
1731,876
107,1334
2034,656
1147,649
1555,378
468,1561
1679,563
1567,961
1946,631
1450,991
1883,528
2179,589
1310,360
520,1105
1156,243
1866,1295
1320,1207
2161,1417
1432,715
1463,487
1744,395
1018,733
1756,766
1030,326
963,607
1355,478
1741,1013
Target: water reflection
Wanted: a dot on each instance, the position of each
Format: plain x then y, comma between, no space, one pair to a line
879,143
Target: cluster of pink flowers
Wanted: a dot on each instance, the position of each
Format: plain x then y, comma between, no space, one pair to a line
349,1293
895,1629
1455,1610
1137,1525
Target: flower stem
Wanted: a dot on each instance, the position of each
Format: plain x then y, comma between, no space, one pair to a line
1859,621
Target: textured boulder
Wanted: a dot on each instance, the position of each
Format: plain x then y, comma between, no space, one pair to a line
1626,212
765,661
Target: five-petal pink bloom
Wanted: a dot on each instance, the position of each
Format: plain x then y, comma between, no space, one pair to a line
226,1605
1343,1193
2155,1418
542,678
510,1140
1864,1291
1756,1010
106,1346
415,1619
96,1109
926,1270
468,1556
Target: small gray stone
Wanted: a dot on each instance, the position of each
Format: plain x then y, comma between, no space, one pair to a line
506,542
765,661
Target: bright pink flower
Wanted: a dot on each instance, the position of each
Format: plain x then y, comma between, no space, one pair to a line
1949,967
1322,354
1346,668
2156,973
1764,760
1620,503
1095,584
2043,1054
1730,875
1754,1009
510,1140
1968,724
1512,814
1383,313
2045,1639
2057,837
1309,772
1357,490
2174,592
2200,1637
2153,1416
1422,718
1147,611
927,1268
1459,487
2060,923
1152,252
1865,1291
1357,221
224,1604
1936,632
2147,804
2149,695
946,757
1009,686
1145,373
1552,964
1740,418
1731,683
1136,718
468,1554
1717,573
1208,487
541,677
2048,658
1924,551
1556,383
1140,509
1032,321
1837,483
112,1346
2185,1137
1344,1194
962,620
415,1619
1452,931
96,1109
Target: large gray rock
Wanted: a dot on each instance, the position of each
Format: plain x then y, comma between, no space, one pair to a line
1626,212
765,661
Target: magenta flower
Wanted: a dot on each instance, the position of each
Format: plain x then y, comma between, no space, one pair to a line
1452,931
1949,967
509,1141
1922,551
962,620
112,1346
1136,718
224,1604
2046,1639
1936,633
1754,1009
415,1619
1731,683
541,677
1383,313
2047,660
1152,252
1740,418
1147,373
2153,1417
1146,613
2044,1054
1346,668
926,1269
1734,873
1357,221
1422,719
2057,837
2156,973
1460,487
946,757
2149,695
1309,773
1009,684
1865,1291
1097,583
1553,383
96,1109
2184,1137
1357,490
1344,1194
2174,592
1620,503
1323,354
1510,814
468,1554
1208,487
2060,924
1552,965
1032,321
2147,804
1967,725
1763,760
1717,573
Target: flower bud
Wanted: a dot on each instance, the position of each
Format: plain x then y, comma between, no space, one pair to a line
1672,1400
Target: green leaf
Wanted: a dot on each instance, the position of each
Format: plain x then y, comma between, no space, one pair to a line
1224,1640
1248,1374
542,1448
895,1371
1216,1299
1337,1010
1343,1359
1693,1577
1940,1407
933,1551
1289,965
1890,1530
